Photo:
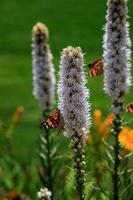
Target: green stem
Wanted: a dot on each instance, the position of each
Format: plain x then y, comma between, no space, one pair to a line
125,177
79,164
116,130
47,136
49,169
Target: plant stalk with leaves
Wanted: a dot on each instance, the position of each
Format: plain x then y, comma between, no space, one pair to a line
75,109
44,86
117,148
46,148
117,77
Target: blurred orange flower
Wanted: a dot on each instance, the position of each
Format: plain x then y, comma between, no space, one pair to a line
14,195
97,117
126,138
89,139
17,115
103,128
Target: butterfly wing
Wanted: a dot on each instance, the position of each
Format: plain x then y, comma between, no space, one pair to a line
96,68
129,108
54,120
91,65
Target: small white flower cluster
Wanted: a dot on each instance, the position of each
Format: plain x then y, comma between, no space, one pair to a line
117,52
43,71
44,193
73,94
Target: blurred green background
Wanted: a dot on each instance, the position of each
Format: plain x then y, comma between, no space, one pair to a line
71,22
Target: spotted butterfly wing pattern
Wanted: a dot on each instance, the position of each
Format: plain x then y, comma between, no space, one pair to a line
96,67
54,120
129,108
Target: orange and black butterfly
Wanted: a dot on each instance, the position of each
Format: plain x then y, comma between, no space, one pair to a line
96,67
54,120
129,108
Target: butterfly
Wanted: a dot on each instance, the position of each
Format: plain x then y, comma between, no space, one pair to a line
96,67
129,108
54,120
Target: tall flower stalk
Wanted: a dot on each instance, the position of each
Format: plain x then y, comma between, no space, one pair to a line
43,70
44,87
73,105
117,77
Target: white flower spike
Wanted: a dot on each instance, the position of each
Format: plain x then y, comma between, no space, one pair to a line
73,94
43,71
117,53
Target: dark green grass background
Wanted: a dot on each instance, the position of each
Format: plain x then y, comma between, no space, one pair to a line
71,22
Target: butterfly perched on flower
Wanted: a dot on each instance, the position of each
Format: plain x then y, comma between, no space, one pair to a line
54,120
129,108
96,67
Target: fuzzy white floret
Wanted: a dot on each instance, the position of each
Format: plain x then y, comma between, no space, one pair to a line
44,193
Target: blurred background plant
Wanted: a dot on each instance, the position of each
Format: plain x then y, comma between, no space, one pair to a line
99,149
7,128
14,176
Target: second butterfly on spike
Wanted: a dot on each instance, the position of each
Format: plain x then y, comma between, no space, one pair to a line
96,67
129,108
